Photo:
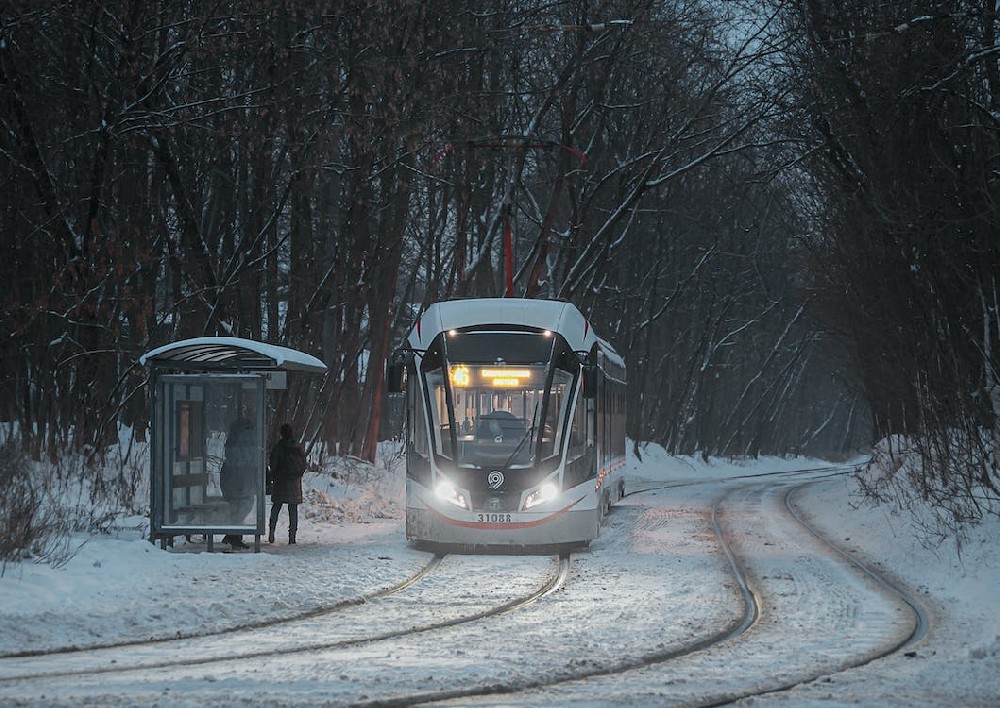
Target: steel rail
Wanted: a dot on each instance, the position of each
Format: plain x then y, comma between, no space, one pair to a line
739,625
921,616
553,583
310,613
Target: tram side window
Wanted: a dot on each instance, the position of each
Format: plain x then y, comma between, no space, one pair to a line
418,422
439,412
620,422
552,432
578,434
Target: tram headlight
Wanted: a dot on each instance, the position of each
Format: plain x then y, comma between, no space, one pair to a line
446,491
546,492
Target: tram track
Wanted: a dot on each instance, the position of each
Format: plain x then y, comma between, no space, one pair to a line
735,630
829,470
728,516
311,613
748,616
555,580
920,615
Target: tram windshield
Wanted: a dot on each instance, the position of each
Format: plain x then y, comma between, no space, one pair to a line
499,399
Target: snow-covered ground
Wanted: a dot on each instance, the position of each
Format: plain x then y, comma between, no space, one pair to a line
658,579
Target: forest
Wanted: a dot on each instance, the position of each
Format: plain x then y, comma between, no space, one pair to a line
783,214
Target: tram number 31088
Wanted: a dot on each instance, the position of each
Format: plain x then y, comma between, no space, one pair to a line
494,518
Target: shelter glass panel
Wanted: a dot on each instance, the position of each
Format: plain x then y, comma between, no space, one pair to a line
213,457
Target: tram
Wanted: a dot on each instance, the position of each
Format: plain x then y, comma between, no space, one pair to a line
515,431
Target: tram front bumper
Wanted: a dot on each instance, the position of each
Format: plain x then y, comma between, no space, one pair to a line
575,521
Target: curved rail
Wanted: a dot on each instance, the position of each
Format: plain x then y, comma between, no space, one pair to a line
735,629
921,623
832,470
749,616
311,613
553,583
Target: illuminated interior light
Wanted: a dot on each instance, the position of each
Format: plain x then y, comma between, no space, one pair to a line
460,376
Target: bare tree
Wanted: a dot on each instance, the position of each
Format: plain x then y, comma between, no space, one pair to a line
903,99
314,177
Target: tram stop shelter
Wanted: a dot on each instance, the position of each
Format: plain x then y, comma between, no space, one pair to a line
208,456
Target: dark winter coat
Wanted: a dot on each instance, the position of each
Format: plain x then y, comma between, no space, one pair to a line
288,463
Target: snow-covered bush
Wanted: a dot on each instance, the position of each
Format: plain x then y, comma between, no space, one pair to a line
946,483
43,502
32,524
348,489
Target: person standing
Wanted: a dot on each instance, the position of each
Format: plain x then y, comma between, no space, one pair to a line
288,464
238,474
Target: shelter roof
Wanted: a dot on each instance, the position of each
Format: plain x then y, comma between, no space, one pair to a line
230,354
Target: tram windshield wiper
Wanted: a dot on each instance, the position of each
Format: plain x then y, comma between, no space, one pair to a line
524,438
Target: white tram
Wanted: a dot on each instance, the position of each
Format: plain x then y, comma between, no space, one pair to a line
516,424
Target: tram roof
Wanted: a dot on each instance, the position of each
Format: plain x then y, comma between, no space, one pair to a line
230,354
553,315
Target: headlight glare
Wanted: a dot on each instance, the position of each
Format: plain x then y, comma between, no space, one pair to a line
546,492
446,491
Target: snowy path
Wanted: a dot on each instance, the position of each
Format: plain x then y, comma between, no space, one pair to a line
818,616
656,584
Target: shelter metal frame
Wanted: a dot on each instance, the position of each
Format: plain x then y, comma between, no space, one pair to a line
206,392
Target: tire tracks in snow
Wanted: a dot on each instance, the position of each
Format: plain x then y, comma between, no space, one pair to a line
307,614
738,631
921,616
767,630
555,579
745,619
